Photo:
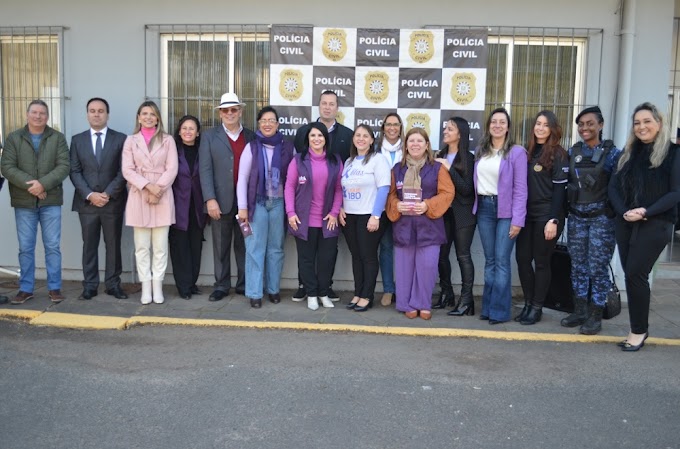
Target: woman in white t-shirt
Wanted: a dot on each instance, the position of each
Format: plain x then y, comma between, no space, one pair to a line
365,185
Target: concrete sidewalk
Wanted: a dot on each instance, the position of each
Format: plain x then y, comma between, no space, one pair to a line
104,311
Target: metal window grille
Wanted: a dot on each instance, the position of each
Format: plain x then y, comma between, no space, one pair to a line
31,67
530,69
189,67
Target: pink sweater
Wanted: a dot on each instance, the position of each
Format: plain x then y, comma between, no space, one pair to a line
320,173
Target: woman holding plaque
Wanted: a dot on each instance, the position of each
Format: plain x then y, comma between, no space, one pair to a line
500,178
420,193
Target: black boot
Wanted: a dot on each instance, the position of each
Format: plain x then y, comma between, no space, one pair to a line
579,316
524,312
446,298
593,324
466,306
533,316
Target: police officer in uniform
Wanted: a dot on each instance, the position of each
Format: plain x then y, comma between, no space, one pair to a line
591,225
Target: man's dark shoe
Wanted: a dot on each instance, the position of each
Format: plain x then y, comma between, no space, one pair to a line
4,299
217,295
332,295
117,292
256,303
22,297
195,291
87,294
240,291
300,294
55,296
274,298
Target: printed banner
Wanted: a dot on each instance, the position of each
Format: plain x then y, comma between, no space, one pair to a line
426,76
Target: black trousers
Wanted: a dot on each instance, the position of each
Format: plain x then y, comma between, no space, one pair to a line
363,246
92,226
316,261
534,254
185,254
640,244
223,231
461,238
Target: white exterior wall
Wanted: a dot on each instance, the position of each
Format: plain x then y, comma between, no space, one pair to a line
104,56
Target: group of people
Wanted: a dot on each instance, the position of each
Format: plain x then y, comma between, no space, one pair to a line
400,204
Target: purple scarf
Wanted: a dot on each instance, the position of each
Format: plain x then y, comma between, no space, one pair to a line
275,141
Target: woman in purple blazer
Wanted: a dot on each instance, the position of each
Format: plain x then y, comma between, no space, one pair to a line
186,235
500,179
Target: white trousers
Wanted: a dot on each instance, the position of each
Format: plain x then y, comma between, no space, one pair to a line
145,240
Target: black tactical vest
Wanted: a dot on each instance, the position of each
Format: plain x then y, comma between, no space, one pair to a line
588,180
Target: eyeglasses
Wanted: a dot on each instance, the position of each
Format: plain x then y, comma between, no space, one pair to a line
230,110
392,125
267,121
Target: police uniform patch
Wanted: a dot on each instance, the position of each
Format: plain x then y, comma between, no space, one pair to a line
334,45
421,47
538,168
340,118
578,158
290,84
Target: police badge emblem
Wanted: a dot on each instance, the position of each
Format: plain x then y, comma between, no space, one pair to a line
334,46
418,120
578,158
463,88
376,88
538,168
290,84
340,118
421,47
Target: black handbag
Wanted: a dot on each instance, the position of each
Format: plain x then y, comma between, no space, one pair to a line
612,305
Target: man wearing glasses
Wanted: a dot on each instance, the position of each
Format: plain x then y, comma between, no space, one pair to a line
341,140
218,157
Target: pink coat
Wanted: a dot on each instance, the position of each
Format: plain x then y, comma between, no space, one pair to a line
142,166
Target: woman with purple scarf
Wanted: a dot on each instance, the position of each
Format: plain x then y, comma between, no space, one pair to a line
262,177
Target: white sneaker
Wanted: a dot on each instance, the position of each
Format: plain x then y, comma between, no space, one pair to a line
326,301
300,294
146,292
312,303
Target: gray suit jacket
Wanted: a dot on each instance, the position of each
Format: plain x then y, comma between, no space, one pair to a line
88,176
216,166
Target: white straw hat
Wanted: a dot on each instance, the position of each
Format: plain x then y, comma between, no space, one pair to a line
228,100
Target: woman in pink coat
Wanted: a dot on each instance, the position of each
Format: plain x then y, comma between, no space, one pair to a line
150,166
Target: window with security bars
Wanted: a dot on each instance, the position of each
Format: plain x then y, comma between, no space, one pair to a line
199,63
30,68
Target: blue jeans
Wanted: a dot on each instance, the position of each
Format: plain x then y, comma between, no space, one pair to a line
387,260
264,249
27,221
493,232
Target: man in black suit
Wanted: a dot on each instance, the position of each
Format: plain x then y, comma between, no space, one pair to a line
99,197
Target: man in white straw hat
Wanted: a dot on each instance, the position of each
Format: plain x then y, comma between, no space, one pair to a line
219,155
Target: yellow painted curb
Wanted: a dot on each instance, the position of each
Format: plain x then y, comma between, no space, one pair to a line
19,314
405,331
77,321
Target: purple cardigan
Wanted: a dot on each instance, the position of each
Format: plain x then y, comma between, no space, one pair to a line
187,185
512,186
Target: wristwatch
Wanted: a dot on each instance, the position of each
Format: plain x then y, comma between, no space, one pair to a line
377,217
554,221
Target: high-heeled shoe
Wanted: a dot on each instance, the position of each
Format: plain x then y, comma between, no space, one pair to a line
353,304
461,309
425,314
364,308
411,314
627,347
445,299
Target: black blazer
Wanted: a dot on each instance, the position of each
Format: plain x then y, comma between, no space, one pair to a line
464,198
88,176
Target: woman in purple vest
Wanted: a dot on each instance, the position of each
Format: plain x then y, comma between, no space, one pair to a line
259,191
501,206
365,184
186,235
313,199
420,193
